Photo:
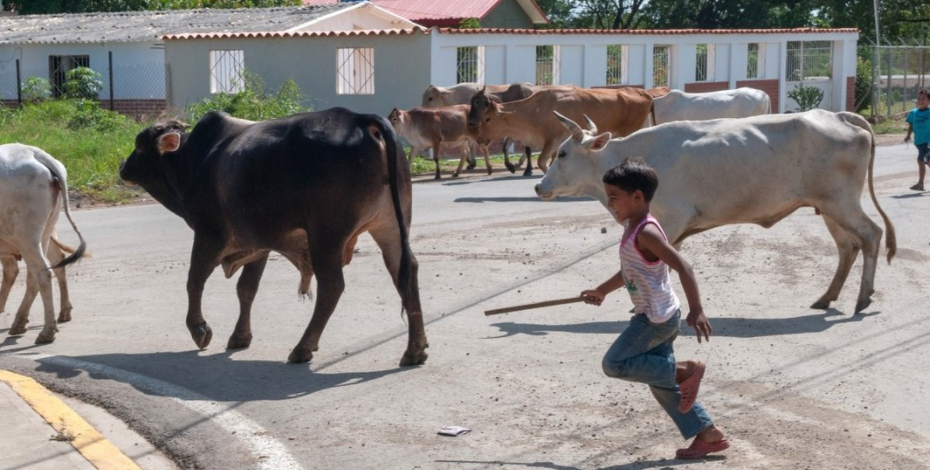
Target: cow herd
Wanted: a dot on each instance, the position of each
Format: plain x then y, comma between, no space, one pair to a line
308,185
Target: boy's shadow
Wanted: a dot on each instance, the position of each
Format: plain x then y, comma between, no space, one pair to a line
728,327
644,465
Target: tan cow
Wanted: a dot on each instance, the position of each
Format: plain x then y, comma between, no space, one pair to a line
754,170
10,257
432,127
620,111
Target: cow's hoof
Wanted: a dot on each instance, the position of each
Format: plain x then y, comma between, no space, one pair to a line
46,336
18,328
528,172
300,355
489,172
510,167
862,305
455,175
437,177
413,359
239,342
472,165
821,304
64,316
202,335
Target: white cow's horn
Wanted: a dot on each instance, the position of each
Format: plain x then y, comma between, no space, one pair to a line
591,127
577,133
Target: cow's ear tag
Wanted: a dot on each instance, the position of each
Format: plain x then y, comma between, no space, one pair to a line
169,142
599,142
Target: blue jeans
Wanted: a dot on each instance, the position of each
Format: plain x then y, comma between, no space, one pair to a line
643,353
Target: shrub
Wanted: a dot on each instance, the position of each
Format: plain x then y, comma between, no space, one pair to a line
863,84
89,115
253,103
82,82
807,97
36,89
470,23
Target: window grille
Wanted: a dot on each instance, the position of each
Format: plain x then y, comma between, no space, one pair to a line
227,71
754,60
547,65
809,61
356,71
58,68
470,64
661,70
618,61
704,65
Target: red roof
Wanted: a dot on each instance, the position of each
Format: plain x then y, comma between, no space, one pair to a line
436,12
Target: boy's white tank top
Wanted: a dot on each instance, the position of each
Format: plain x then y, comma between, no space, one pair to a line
648,283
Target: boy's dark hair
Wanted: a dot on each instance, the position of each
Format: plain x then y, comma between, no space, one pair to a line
924,91
633,174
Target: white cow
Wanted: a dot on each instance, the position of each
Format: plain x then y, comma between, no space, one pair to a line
739,103
33,189
753,170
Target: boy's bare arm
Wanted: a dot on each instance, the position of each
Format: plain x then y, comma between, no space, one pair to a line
596,296
910,128
651,240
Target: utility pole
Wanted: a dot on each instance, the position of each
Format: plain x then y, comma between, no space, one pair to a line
876,66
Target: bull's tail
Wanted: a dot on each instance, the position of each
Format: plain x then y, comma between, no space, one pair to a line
891,242
406,275
61,181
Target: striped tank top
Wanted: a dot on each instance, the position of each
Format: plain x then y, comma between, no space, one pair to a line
647,282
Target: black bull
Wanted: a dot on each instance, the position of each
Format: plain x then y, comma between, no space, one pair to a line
305,186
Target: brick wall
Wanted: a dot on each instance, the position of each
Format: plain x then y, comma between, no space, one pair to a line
704,87
768,86
851,94
133,108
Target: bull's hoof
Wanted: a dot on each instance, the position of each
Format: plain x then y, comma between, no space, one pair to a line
64,316
413,359
510,167
528,172
202,335
46,336
18,328
239,342
455,175
300,355
489,172
437,177
821,304
862,305
472,164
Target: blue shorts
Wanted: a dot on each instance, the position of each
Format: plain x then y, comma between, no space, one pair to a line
923,152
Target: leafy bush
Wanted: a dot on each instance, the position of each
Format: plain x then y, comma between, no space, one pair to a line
82,82
470,23
89,115
36,89
863,84
253,102
807,97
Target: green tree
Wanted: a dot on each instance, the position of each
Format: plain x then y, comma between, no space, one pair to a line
86,6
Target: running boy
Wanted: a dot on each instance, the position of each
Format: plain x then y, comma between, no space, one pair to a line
643,352
918,122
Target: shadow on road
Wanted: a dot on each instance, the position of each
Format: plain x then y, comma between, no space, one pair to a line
725,327
489,179
215,376
907,195
522,199
646,464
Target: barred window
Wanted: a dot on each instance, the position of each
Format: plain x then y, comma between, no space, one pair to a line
755,61
661,69
705,64
809,61
618,64
58,68
226,71
547,65
356,71
470,64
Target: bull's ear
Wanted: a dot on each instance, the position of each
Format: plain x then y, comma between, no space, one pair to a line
169,142
599,142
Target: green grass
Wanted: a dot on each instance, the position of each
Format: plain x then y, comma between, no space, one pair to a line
90,142
425,166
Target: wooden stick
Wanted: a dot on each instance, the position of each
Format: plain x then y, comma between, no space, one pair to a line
547,303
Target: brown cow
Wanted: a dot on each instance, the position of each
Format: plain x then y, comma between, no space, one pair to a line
10,257
432,127
619,111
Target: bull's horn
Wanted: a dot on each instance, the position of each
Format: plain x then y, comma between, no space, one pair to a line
577,133
591,126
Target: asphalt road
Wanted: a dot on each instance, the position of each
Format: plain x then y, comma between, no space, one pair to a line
791,385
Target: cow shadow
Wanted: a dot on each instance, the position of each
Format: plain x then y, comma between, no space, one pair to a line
643,465
522,199
490,179
723,327
215,376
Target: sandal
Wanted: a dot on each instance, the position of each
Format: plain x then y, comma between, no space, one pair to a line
700,448
689,388
917,187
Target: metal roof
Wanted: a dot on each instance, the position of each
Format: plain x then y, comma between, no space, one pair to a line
295,34
149,26
645,32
